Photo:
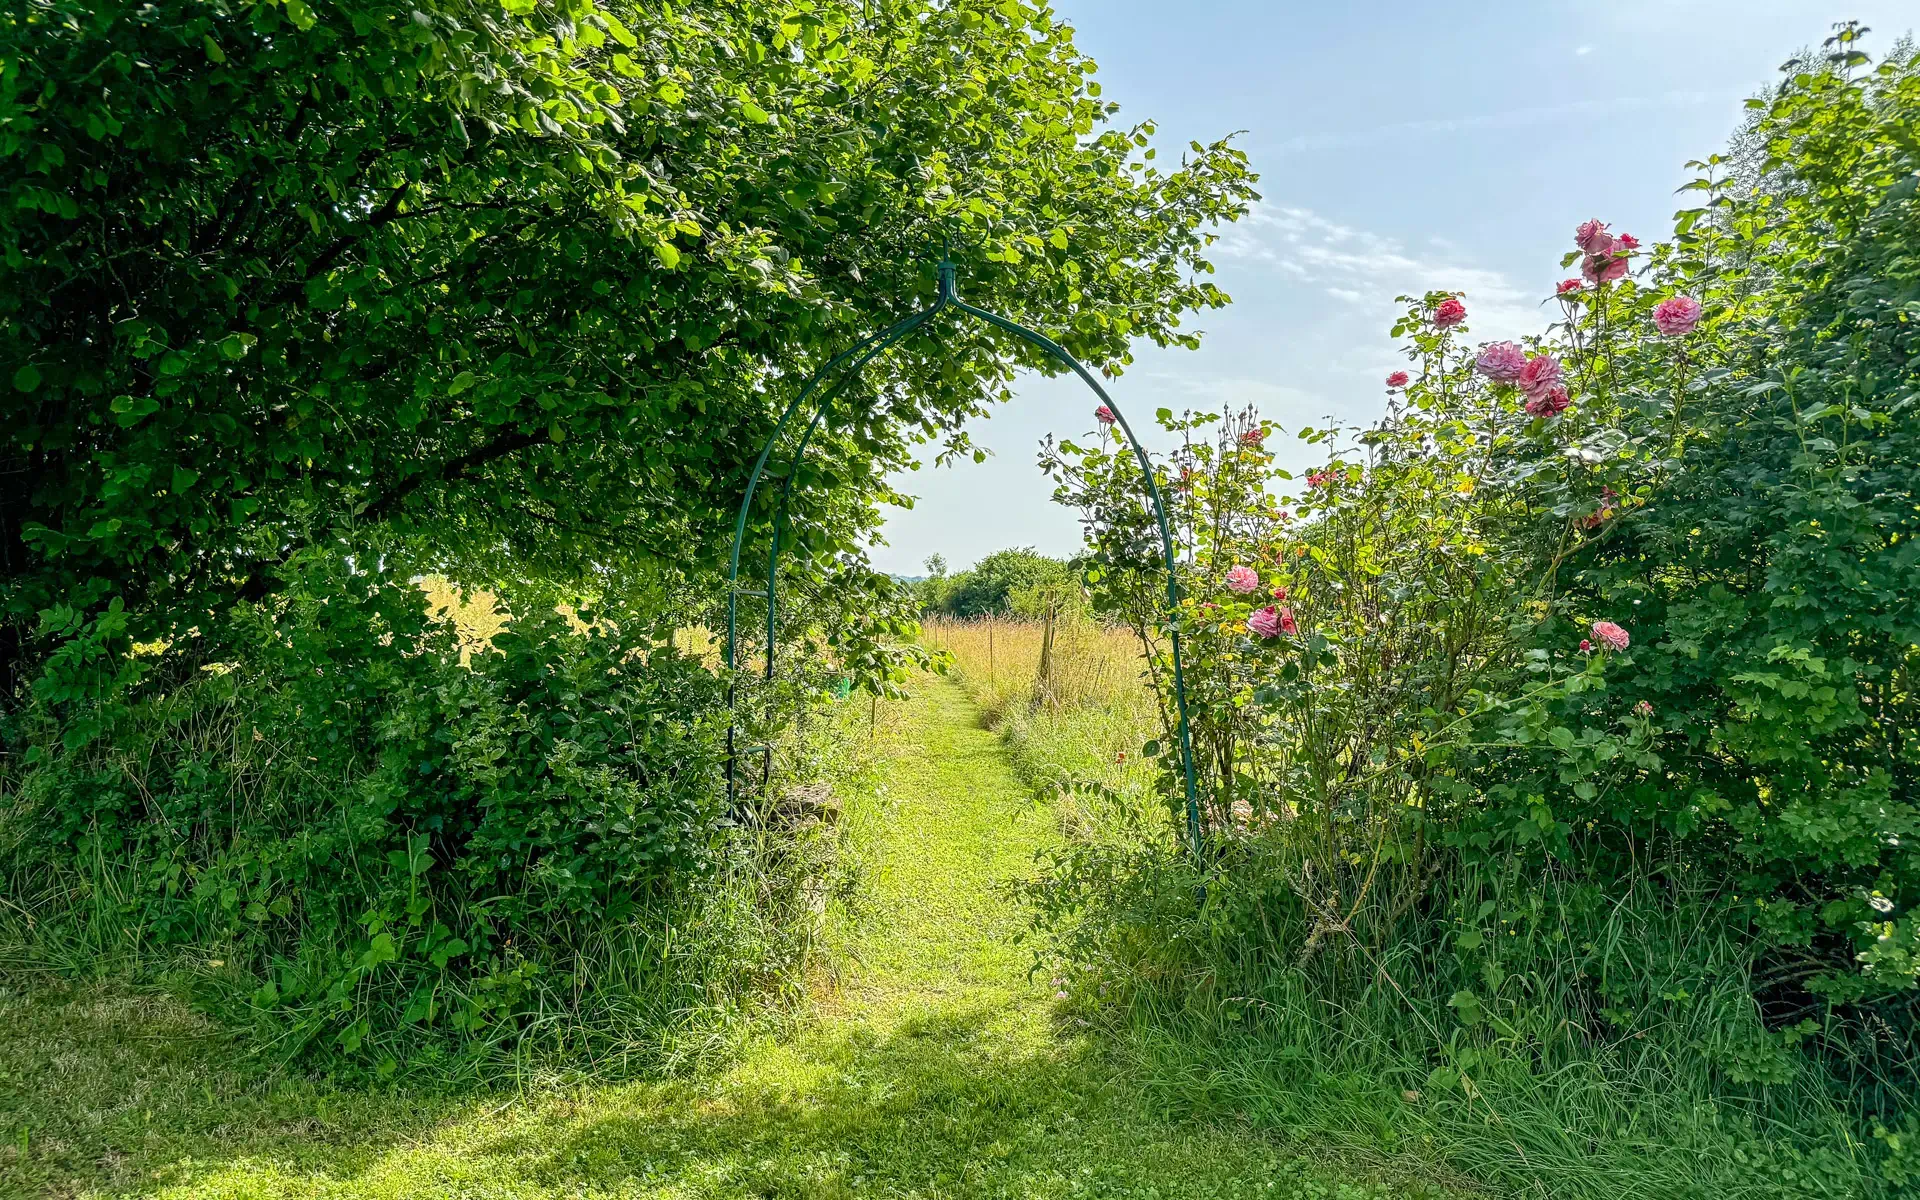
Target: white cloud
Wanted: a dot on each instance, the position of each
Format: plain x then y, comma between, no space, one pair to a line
1365,271
1583,51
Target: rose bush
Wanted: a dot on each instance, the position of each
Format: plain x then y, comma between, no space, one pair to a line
1610,632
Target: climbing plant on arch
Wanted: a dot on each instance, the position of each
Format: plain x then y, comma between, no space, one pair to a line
841,370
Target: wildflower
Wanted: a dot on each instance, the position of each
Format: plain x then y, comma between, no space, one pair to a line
1265,623
1566,286
1644,708
1243,579
1612,635
1450,313
1397,380
1591,235
1586,647
1104,415
1540,375
1550,403
1676,316
1501,362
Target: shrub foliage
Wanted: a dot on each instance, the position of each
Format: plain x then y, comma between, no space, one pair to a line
1619,622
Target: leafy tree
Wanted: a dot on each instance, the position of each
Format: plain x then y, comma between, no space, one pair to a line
523,283
989,587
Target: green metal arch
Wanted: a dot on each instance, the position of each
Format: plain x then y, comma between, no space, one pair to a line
844,368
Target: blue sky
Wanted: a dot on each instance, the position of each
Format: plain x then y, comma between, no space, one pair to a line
1401,148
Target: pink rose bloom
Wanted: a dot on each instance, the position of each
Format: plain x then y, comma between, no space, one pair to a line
1603,268
1567,287
1104,415
1676,316
1319,478
1540,375
1243,579
1397,380
1450,313
1253,437
1501,362
1627,242
1287,625
1586,647
1265,623
1611,635
1550,403
1279,593
1591,235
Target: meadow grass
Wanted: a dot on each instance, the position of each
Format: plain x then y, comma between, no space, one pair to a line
934,1065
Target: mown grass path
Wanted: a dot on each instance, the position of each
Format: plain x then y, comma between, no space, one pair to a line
935,1067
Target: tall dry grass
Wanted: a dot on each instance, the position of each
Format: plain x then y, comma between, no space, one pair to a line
1077,730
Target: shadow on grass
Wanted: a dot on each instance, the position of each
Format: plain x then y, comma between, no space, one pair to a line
125,1096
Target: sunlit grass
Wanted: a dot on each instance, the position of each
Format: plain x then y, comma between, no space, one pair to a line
1088,721
936,1067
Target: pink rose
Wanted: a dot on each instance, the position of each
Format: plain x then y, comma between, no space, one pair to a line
1644,708
1586,647
1397,380
1319,478
1280,593
1265,623
1603,268
1501,362
1550,403
1450,313
1627,242
1253,437
1591,235
1676,316
1243,579
1104,415
1567,287
1611,635
1540,375
1286,622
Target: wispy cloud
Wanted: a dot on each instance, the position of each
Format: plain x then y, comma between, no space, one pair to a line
1519,118
1364,271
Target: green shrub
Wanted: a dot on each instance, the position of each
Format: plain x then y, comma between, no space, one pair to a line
395,851
1571,706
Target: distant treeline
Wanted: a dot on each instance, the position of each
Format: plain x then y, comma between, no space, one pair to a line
1016,582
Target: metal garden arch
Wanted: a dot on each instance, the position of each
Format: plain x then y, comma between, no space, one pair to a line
858,356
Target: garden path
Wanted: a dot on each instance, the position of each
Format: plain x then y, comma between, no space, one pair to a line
935,1066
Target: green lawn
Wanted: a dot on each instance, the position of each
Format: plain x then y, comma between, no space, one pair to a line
934,1068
